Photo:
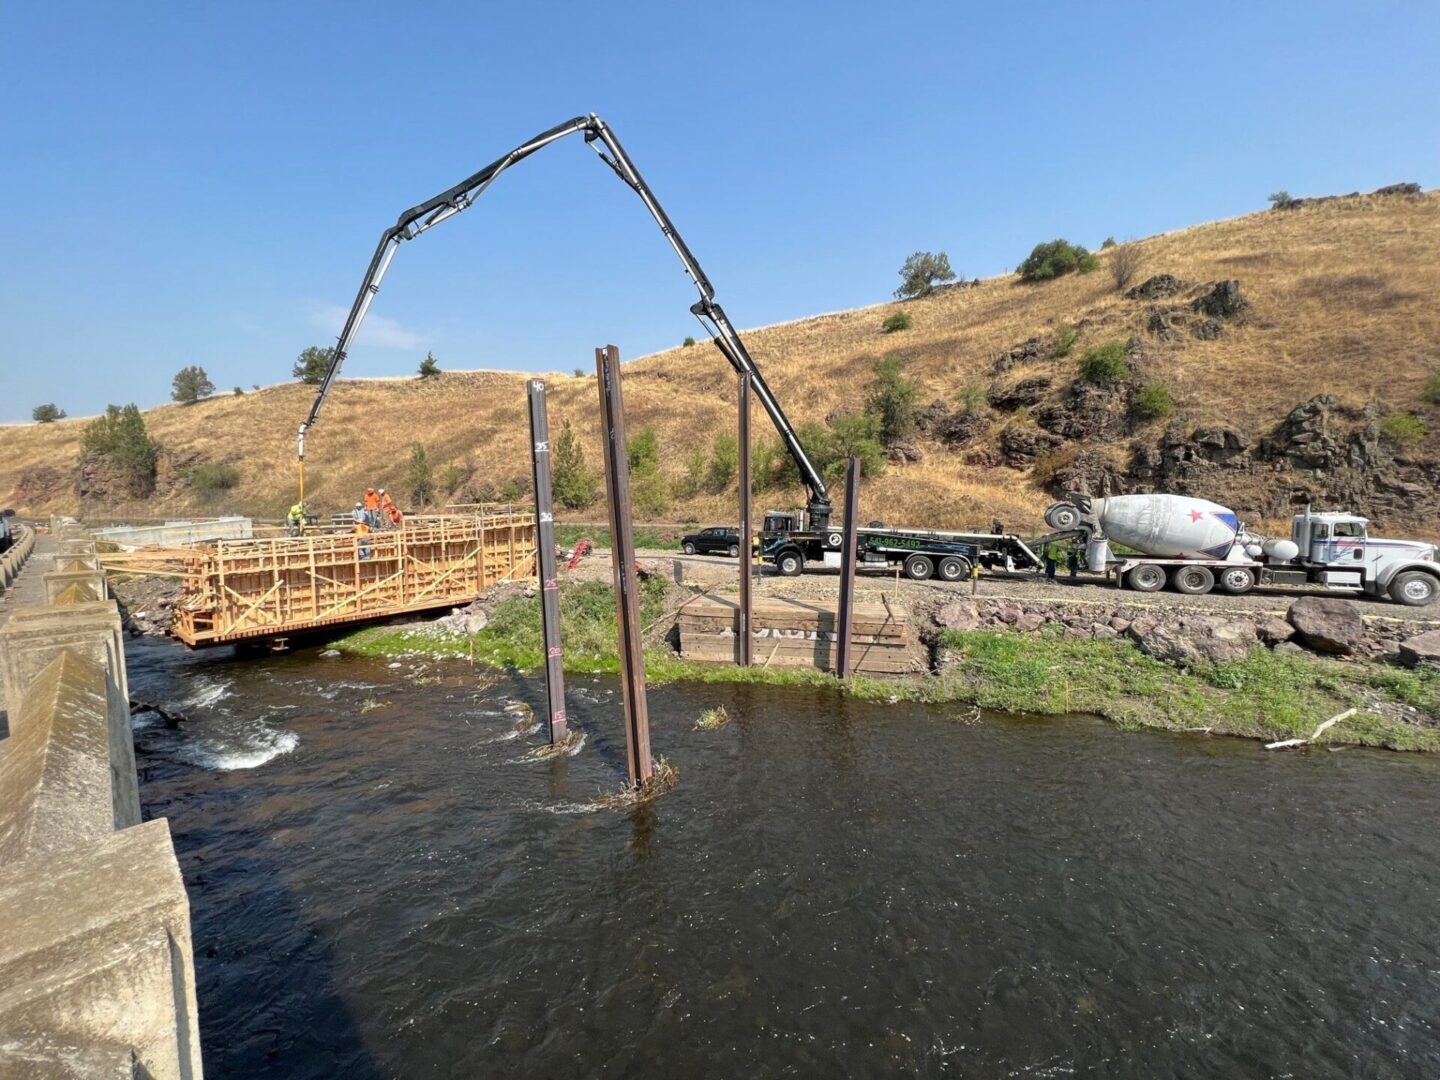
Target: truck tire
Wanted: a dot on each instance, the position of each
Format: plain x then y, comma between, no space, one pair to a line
919,567
954,568
789,563
1192,580
1146,578
1237,580
734,551
1414,588
1062,516
689,549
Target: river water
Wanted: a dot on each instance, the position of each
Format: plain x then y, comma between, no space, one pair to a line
833,889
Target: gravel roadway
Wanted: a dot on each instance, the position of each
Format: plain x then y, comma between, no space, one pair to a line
1088,590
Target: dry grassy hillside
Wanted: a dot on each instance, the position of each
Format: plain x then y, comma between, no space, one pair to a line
1341,301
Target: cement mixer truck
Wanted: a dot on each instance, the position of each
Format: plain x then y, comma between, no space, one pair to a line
1195,545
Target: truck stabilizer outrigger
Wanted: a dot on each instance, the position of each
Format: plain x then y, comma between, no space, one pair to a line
600,138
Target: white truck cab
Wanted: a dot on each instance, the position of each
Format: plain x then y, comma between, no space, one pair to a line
1339,552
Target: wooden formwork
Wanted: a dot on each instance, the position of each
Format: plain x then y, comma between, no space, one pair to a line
237,590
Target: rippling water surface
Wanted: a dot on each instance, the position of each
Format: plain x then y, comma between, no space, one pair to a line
834,889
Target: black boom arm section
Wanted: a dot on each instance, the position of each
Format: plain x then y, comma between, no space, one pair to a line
602,140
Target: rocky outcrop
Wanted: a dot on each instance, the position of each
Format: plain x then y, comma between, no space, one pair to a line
1021,446
1027,352
1158,287
1326,624
1019,395
1194,638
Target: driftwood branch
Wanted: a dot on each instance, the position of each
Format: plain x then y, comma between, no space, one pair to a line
1287,744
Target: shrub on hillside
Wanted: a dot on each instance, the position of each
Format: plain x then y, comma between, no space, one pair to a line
899,321
1152,401
1108,242
687,343
765,458
239,392
1282,200
1065,338
921,272
1402,429
891,400
857,436
47,413
1054,258
1105,365
1430,392
971,398
119,436
429,366
1124,262
212,479
724,464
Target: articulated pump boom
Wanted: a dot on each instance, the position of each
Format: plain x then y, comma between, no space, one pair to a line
600,138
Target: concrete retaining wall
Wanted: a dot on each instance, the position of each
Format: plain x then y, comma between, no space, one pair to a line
96,972
178,533
16,557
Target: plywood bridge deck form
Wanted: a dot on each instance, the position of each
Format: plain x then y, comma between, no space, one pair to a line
237,590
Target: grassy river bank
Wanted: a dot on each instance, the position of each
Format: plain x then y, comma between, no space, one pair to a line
1266,695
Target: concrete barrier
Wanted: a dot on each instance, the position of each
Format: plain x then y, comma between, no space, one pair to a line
96,952
96,971
15,558
178,533
82,584
70,563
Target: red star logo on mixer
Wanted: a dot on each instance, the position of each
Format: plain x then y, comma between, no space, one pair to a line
1196,515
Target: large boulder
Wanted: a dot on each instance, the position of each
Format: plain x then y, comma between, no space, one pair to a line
1327,624
958,614
1193,639
1421,649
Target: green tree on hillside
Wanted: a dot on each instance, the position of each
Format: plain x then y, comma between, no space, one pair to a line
429,366
420,476
892,400
312,364
1054,258
119,436
574,486
47,413
190,385
921,272
648,492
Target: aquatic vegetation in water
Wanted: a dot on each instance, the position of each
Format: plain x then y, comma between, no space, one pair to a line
568,746
663,777
370,703
712,719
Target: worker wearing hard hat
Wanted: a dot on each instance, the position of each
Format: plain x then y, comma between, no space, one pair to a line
372,507
390,511
359,514
295,520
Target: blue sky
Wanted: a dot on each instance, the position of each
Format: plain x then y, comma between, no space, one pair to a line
204,183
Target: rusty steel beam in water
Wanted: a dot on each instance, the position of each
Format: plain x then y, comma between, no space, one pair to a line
622,557
549,573
848,559
747,567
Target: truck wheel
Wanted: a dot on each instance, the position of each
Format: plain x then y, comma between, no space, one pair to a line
1237,580
954,568
1146,578
919,567
734,551
1062,516
1193,580
790,564
689,549
1414,588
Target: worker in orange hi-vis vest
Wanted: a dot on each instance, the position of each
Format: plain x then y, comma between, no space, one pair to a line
372,507
389,509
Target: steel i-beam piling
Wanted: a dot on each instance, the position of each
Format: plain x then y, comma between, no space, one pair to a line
545,557
848,560
747,567
627,599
